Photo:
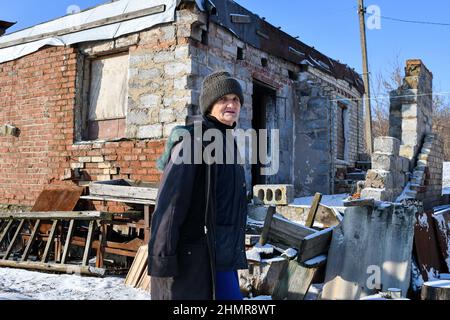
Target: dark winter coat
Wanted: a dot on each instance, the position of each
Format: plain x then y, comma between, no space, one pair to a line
198,224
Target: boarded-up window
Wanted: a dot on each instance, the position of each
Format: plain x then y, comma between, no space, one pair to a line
108,96
341,128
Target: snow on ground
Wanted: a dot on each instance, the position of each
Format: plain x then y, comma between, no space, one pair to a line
333,200
18,284
446,178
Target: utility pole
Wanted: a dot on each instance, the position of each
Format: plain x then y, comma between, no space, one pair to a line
367,110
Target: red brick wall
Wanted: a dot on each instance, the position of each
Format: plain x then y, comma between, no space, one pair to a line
37,95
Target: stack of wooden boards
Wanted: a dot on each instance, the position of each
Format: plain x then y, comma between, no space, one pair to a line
138,274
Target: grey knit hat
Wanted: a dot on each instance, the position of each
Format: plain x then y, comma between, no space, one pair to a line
215,86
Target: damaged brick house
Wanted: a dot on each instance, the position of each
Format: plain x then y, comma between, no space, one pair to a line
93,95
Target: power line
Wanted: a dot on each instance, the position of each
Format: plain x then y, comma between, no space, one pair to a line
414,21
443,93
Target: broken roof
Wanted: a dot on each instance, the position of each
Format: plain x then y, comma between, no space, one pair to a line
121,17
259,33
103,22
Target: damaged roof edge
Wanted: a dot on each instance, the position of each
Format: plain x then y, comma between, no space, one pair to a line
265,36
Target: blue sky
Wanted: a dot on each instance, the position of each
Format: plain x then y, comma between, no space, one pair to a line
330,26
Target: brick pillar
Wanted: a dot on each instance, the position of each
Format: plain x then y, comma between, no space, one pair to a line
411,109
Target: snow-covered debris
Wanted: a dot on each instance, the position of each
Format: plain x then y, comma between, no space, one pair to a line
289,253
333,200
18,284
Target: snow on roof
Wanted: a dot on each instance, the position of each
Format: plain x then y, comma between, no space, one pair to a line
104,22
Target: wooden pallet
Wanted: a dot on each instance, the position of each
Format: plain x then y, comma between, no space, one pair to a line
14,223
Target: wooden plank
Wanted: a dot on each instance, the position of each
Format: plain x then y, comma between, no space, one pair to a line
5,231
313,210
67,243
145,281
294,282
31,240
314,245
138,267
61,199
95,245
61,215
288,232
267,224
110,189
50,239
53,267
89,237
117,199
101,249
87,26
147,222
13,240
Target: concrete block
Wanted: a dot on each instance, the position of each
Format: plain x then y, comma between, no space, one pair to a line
379,179
152,131
385,162
407,151
277,194
389,145
404,164
377,194
399,180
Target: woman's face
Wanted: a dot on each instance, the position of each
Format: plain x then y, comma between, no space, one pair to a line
227,109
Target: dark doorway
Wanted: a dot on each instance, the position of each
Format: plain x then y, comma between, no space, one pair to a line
264,117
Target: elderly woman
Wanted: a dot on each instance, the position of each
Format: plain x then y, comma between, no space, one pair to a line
198,228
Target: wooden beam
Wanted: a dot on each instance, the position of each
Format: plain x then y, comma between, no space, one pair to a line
13,240
5,231
294,282
118,199
67,243
61,215
147,222
50,239
267,223
101,248
109,189
87,26
138,267
54,267
89,237
34,233
312,212
314,245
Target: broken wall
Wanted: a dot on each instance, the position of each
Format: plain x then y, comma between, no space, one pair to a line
370,251
316,130
410,114
42,95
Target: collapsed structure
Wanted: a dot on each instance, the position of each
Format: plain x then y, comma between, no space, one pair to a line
92,96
